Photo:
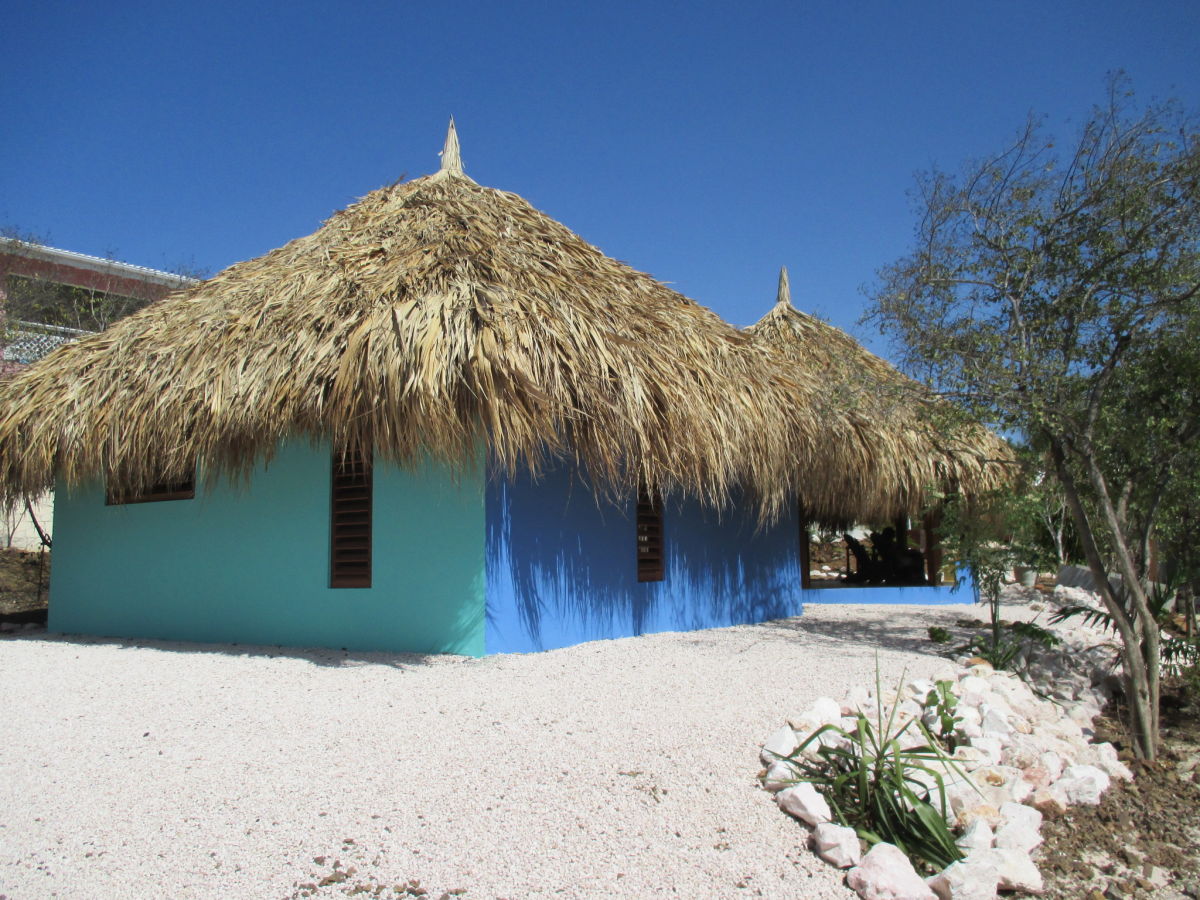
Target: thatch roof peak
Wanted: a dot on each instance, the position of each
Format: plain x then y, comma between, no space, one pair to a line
783,297
451,155
910,439
434,317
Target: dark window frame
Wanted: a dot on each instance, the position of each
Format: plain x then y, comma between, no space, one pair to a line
651,537
351,514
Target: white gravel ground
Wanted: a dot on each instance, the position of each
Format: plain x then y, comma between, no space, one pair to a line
615,768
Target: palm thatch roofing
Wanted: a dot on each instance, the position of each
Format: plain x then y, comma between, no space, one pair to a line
911,440
434,318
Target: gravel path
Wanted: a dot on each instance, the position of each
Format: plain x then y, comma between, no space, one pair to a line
615,768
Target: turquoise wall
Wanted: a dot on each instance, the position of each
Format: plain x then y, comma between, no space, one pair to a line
251,565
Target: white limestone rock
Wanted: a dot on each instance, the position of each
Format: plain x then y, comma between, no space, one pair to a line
973,684
1020,752
1019,813
858,697
805,803
1001,784
989,745
977,836
974,878
1083,785
1051,802
825,711
782,743
780,774
1019,828
1017,870
1053,764
837,845
886,874
1106,759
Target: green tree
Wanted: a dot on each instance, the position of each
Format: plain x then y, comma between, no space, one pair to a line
1053,295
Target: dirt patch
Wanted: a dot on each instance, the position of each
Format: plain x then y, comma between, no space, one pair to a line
1141,840
24,584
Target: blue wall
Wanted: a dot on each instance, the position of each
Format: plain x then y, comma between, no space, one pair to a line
930,596
251,565
561,569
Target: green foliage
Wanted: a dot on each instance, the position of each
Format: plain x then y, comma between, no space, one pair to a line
884,791
1058,296
50,303
939,635
942,702
1179,653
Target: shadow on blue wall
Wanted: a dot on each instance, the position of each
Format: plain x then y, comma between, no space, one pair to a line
561,567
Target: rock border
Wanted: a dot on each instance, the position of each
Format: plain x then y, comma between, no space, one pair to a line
1023,755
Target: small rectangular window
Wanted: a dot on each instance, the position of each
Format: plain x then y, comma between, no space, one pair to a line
183,489
350,520
650,545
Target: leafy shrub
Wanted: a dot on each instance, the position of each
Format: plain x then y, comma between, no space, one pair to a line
944,706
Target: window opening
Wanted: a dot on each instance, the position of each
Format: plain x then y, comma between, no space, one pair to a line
350,520
650,558
181,489
889,556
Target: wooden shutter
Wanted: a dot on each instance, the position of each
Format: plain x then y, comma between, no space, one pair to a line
350,520
650,545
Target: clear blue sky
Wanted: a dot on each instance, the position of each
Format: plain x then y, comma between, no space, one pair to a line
705,143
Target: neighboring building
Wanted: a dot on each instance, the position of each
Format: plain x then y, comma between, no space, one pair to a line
442,423
58,275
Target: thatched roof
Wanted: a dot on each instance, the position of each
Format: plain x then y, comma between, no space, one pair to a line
441,318
911,441
431,317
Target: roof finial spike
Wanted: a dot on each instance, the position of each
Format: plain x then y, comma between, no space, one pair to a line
451,159
784,296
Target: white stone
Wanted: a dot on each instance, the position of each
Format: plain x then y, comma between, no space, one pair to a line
1053,764
782,743
973,684
856,699
970,757
977,836
886,874
826,711
974,878
990,746
805,803
918,689
1019,828
780,774
837,845
1001,784
1051,802
1019,813
1017,870
1021,752
1018,836
1106,759
1083,784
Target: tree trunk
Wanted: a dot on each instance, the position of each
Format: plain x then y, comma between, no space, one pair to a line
1143,726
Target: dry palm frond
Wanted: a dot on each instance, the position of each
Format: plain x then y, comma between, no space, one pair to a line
909,441
435,316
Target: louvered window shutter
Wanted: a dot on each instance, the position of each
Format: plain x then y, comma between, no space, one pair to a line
350,521
650,544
